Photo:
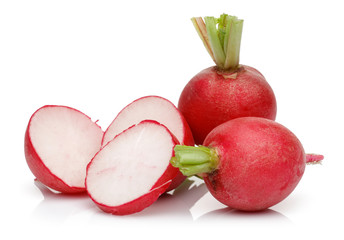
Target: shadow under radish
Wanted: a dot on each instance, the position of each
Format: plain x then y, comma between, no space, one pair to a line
236,217
178,202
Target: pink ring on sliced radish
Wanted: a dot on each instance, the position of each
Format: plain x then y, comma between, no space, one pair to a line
152,108
59,143
131,171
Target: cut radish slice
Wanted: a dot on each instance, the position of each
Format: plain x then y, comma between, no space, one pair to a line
59,143
130,172
153,108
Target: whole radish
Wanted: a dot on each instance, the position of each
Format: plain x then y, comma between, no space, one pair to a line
228,90
247,163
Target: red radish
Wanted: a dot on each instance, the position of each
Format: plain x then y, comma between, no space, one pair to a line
247,163
153,108
227,90
59,143
131,171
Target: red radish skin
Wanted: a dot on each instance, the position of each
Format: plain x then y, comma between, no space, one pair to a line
154,109
228,90
116,174
158,109
213,97
42,173
136,205
258,163
61,115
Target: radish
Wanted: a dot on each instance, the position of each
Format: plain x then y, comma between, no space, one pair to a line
228,90
247,163
131,171
59,143
153,108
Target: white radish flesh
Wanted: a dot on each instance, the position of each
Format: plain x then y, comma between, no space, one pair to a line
130,167
151,108
62,141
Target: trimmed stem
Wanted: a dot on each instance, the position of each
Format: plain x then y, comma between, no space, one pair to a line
222,38
215,43
202,33
233,45
194,160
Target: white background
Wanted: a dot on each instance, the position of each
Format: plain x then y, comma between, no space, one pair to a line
98,56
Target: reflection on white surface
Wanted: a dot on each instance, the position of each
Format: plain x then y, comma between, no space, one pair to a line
191,202
58,207
233,216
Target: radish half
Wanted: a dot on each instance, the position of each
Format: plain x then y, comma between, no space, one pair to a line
131,171
59,143
153,108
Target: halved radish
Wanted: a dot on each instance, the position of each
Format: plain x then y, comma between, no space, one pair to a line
130,172
153,108
59,143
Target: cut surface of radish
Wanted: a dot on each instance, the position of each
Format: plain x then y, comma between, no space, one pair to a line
158,109
126,175
59,143
152,108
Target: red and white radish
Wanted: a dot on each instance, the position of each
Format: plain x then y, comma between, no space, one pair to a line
228,90
131,171
247,163
153,108
59,143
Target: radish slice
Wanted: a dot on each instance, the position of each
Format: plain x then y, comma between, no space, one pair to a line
59,143
158,109
151,108
138,204
130,172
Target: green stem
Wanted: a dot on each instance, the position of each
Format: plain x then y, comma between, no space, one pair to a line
215,43
194,160
202,33
233,44
222,38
